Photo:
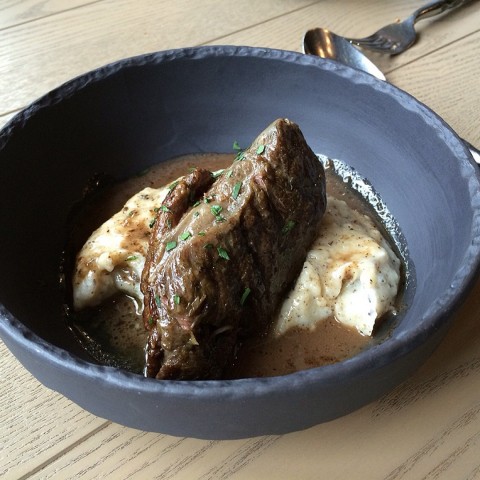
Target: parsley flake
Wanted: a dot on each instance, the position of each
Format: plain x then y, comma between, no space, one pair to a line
208,245
202,234
170,245
158,302
236,190
223,253
152,222
260,149
176,299
131,258
236,146
164,208
289,224
216,209
240,156
185,236
173,185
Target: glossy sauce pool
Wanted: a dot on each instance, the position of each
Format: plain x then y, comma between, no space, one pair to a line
114,334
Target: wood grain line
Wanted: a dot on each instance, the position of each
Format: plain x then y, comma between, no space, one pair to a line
434,443
474,474
34,18
455,456
183,462
258,24
59,454
240,458
411,391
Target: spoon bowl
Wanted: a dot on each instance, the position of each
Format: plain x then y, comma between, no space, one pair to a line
326,44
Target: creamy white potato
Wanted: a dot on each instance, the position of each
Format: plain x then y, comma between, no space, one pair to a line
112,259
350,272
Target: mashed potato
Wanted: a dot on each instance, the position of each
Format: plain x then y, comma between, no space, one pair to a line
112,259
350,272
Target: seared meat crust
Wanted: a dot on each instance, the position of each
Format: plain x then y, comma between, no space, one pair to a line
217,268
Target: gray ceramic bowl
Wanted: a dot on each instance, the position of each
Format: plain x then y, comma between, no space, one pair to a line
128,115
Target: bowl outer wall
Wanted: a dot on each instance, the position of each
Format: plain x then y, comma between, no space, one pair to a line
234,409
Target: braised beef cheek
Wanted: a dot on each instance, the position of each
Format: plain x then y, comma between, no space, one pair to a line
221,257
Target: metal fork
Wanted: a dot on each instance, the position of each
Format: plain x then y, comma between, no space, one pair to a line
397,37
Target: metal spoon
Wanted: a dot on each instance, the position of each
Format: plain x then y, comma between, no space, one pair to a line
326,44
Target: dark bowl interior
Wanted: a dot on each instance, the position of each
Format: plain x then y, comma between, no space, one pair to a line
129,115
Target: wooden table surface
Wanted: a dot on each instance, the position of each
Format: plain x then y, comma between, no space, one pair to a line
427,428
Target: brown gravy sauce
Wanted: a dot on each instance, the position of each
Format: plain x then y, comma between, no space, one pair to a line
114,335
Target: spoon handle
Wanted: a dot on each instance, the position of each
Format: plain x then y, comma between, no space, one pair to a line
435,8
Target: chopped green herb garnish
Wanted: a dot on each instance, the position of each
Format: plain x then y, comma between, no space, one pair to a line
150,320
164,208
217,173
236,146
185,236
169,223
131,258
196,204
216,209
196,214
207,200
170,245
208,245
260,149
158,302
229,173
202,234
240,156
223,253
245,294
176,299
288,226
173,185
152,222
236,190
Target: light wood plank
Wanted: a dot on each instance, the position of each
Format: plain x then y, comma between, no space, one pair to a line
37,57
439,80
15,12
36,424
358,19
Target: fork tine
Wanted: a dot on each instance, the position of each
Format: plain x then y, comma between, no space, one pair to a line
373,42
363,41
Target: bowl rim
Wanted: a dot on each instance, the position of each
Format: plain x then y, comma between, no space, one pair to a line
440,312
